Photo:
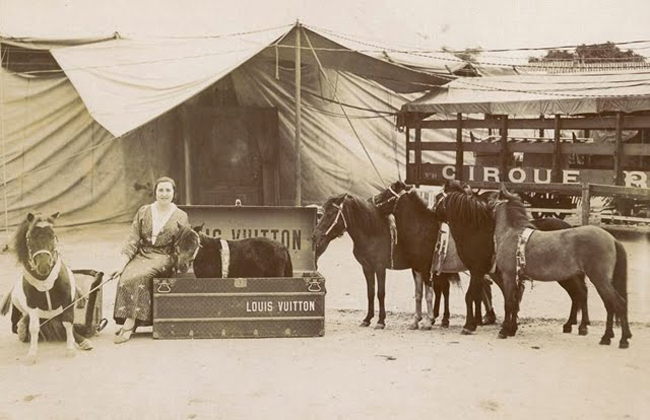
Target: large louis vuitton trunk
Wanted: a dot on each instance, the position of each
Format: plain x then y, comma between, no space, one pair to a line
188,307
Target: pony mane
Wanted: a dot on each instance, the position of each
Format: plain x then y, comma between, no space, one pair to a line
207,240
19,244
364,214
468,211
419,203
516,214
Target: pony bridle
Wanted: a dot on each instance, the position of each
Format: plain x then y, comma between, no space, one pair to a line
440,203
395,196
198,247
53,255
339,214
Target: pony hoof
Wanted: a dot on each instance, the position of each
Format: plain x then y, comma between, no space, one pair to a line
605,341
465,331
623,345
583,331
502,335
567,329
427,325
489,319
70,353
85,345
413,326
444,323
30,360
364,324
380,326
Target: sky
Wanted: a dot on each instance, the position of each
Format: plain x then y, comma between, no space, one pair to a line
429,24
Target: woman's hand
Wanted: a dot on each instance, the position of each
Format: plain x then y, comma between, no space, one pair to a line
117,272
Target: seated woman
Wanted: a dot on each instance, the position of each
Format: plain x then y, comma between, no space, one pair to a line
148,254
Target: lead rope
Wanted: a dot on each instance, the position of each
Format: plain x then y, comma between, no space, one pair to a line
75,301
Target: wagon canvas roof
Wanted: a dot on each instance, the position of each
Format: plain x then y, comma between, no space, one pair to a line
527,95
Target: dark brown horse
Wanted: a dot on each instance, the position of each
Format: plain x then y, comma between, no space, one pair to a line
418,228
557,255
370,232
463,208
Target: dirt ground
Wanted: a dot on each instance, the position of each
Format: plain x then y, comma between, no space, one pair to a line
350,373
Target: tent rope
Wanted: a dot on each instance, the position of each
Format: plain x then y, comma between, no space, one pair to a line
4,152
322,70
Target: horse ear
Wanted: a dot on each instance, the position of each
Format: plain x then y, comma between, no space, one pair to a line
198,228
503,192
54,215
30,217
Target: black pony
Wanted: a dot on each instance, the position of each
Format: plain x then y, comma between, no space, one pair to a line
372,247
472,225
418,228
219,258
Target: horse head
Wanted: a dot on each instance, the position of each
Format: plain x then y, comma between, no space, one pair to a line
514,209
331,225
386,201
36,243
188,245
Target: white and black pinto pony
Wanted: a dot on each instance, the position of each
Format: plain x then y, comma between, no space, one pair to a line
46,290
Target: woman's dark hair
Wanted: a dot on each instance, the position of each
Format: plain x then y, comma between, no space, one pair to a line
164,179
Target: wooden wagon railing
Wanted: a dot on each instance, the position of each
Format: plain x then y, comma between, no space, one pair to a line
619,181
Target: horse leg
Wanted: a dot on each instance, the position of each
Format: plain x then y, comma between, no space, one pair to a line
625,330
584,307
369,274
445,293
437,291
34,328
381,297
69,339
470,298
417,279
511,304
16,316
490,316
606,339
430,318
569,286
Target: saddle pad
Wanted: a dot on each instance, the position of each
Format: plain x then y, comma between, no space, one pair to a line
445,256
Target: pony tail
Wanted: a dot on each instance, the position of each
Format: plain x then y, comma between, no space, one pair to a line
6,303
620,272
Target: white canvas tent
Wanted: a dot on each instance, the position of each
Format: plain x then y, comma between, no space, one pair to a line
90,140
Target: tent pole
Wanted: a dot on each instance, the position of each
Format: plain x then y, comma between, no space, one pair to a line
298,121
187,167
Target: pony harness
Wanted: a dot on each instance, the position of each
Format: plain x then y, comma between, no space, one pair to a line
225,258
520,255
440,250
393,238
44,286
